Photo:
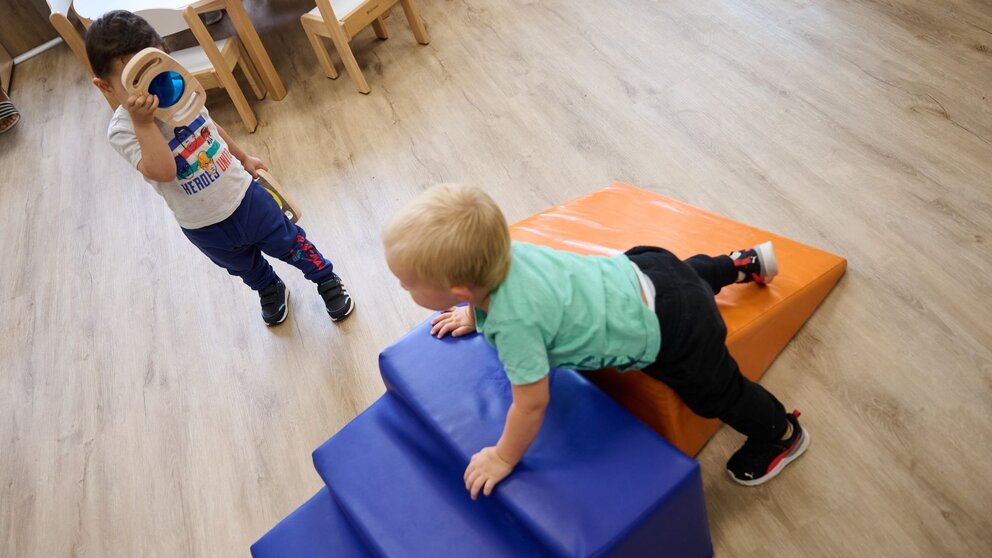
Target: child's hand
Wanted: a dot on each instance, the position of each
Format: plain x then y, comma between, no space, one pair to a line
485,470
457,320
253,165
142,108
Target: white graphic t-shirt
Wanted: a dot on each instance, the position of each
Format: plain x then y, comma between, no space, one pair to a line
210,182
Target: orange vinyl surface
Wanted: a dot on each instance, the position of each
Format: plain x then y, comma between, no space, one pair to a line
760,321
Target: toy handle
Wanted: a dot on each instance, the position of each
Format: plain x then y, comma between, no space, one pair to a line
286,205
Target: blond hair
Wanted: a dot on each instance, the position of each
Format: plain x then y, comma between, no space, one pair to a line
450,236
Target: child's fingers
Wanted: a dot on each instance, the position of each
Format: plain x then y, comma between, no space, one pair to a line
470,481
488,487
444,329
154,105
134,103
470,472
445,314
476,486
457,329
447,327
441,320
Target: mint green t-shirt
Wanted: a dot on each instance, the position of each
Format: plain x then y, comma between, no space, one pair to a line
563,310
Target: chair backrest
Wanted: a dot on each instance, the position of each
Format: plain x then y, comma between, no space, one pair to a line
71,36
165,21
60,21
60,6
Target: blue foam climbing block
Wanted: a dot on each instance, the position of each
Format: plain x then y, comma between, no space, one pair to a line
317,528
595,482
404,492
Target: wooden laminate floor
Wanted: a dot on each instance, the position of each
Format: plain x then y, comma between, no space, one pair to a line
145,410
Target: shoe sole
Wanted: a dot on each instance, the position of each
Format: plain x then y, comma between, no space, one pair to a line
769,263
285,312
778,468
346,314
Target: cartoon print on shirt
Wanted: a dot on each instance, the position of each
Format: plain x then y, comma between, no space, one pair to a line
200,156
206,163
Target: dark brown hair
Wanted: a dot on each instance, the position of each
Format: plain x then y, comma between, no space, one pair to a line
116,35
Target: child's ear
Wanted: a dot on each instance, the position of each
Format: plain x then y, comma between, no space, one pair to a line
103,85
463,294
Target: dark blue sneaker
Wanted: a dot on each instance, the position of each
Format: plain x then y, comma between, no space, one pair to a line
337,301
275,302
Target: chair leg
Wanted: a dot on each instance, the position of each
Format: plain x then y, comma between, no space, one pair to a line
348,57
251,74
224,75
416,24
379,27
230,84
317,44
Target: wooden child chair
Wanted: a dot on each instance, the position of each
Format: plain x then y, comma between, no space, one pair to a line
323,21
59,18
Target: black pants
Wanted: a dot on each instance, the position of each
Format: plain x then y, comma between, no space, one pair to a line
694,360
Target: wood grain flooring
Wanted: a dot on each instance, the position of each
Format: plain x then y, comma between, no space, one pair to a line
145,410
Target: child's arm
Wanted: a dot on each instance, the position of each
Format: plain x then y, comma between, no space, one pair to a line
251,164
523,422
156,161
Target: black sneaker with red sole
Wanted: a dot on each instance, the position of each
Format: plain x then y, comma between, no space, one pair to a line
758,462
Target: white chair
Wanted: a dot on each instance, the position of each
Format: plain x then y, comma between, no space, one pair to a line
213,62
356,15
60,11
